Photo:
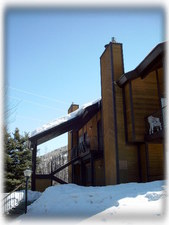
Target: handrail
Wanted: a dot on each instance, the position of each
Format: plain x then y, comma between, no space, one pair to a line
156,112
13,191
9,202
64,165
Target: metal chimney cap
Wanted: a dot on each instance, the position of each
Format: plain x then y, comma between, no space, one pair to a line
113,40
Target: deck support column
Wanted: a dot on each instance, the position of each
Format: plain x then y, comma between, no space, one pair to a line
92,170
34,152
73,173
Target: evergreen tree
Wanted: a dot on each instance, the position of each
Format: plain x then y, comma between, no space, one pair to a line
17,159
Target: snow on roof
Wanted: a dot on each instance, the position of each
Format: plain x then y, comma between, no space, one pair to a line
63,119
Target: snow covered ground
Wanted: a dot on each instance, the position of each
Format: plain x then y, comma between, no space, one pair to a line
120,204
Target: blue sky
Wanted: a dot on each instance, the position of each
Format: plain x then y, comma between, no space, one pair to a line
53,58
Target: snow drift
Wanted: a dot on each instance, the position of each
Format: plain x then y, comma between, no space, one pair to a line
88,203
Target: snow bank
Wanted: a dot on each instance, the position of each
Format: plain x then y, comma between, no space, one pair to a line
63,119
33,195
99,203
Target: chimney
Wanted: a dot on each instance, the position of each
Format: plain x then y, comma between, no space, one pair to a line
73,107
111,69
113,40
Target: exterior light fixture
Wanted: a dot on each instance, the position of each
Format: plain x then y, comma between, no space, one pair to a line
27,174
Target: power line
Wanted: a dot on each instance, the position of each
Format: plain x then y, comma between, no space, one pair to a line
38,104
37,95
30,118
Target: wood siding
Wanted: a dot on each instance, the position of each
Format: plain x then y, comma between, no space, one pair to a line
152,162
91,132
145,102
144,163
90,128
129,122
156,162
161,78
99,172
42,184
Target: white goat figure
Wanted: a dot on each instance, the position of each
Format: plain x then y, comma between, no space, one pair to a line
154,122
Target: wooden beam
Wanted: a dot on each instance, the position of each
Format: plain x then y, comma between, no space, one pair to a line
34,152
147,161
139,162
69,163
58,180
42,176
49,176
82,171
153,61
132,111
158,90
65,165
125,115
73,173
72,124
92,170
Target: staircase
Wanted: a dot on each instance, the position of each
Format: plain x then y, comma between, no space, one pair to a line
85,153
52,176
18,210
14,202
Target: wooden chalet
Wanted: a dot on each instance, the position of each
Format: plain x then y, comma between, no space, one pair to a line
119,138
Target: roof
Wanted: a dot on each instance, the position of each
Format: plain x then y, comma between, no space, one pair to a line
71,121
152,61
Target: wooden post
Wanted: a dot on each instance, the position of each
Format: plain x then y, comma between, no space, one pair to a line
139,163
34,146
92,170
51,170
82,171
73,173
147,161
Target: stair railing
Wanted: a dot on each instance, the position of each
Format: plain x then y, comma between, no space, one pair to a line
12,199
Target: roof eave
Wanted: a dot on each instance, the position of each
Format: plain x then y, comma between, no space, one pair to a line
72,124
145,66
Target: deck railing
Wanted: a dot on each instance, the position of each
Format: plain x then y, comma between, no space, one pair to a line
91,144
79,150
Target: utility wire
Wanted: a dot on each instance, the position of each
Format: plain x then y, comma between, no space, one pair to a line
38,104
37,95
31,118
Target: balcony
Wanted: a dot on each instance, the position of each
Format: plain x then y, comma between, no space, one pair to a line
79,150
155,125
91,145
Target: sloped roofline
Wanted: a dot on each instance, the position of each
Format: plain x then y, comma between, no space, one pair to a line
146,66
72,121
